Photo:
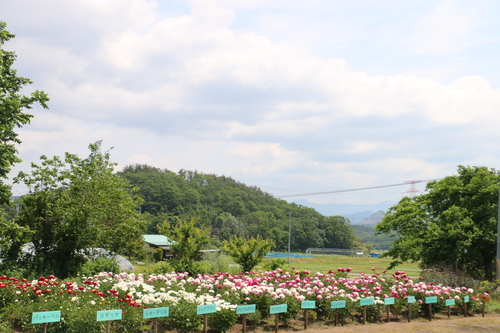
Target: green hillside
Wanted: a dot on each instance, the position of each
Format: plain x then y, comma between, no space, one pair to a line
231,208
367,234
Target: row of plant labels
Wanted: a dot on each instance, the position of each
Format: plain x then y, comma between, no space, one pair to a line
108,315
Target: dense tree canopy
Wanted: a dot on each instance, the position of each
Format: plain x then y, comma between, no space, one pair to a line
76,204
230,208
12,107
454,224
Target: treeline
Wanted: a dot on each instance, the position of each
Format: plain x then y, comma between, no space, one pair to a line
230,208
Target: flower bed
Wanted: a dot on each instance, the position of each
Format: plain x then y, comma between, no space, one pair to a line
80,299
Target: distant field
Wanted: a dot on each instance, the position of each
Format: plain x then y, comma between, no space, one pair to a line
324,263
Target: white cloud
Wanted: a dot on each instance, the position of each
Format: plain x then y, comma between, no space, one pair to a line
445,29
204,89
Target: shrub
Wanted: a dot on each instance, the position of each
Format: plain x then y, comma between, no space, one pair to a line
218,263
449,276
158,255
99,264
183,317
274,264
222,320
161,267
192,267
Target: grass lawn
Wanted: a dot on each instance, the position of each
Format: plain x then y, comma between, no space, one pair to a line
325,262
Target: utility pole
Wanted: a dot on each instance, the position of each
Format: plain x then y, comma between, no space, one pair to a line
289,236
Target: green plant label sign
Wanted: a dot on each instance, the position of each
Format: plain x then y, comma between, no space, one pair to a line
45,317
338,304
244,309
411,299
308,304
389,301
450,302
430,300
466,299
156,312
281,308
366,301
107,315
205,309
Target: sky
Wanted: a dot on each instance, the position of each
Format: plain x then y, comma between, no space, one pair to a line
292,96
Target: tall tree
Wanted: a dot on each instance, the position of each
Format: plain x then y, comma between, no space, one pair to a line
75,204
248,253
454,224
188,239
12,107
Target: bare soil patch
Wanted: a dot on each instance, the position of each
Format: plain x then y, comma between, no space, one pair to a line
440,324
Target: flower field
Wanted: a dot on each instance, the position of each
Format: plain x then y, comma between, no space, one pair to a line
80,299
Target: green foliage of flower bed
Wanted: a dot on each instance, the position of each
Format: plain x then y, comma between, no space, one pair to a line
80,299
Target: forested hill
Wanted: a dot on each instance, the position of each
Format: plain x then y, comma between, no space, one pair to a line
232,208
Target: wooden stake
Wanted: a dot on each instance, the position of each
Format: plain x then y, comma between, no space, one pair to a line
107,324
388,313
305,318
244,322
276,322
364,314
44,325
205,323
449,312
430,312
336,317
409,312
155,325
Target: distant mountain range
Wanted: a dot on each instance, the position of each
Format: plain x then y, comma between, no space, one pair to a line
357,214
373,219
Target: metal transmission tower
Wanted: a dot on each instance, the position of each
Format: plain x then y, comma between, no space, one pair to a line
412,191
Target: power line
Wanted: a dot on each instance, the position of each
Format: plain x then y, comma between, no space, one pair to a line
342,191
413,182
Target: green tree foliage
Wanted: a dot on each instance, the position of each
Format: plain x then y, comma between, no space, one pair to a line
230,208
12,237
338,233
75,204
12,107
454,224
247,253
188,239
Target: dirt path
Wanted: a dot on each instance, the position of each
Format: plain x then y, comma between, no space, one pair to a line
490,323
474,324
